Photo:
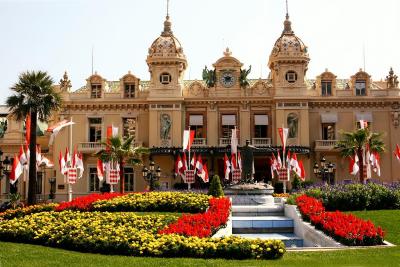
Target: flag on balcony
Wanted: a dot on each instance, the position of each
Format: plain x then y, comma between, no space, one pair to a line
204,173
234,142
283,134
188,136
16,170
227,166
56,128
302,171
100,169
397,152
28,129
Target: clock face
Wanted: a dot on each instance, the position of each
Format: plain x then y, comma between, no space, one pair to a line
227,79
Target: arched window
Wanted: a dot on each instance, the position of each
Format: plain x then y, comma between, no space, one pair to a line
293,125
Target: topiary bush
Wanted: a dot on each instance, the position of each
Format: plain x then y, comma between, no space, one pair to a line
215,188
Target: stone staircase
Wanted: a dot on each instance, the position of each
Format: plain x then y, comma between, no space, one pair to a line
265,222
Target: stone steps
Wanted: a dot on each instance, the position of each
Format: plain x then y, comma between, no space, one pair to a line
257,210
290,239
262,224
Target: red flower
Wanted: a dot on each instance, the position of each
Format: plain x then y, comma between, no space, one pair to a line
85,203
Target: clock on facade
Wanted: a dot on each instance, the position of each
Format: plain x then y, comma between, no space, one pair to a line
227,79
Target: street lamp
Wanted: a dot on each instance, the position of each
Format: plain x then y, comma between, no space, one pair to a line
326,172
7,170
151,176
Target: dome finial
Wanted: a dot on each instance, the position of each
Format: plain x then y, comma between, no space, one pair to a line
287,24
167,24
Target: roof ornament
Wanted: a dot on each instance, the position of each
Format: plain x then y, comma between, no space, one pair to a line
167,24
227,52
287,24
65,83
392,80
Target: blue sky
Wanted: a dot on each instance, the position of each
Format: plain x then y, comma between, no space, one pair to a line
58,35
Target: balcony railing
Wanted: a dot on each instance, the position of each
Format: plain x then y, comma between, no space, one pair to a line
225,141
325,144
90,147
199,142
261,141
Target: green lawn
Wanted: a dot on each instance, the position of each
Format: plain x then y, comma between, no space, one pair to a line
12,254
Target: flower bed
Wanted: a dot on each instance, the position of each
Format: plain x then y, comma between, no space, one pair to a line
128,234
20,212
203,224
156,201
349,197
85,203
345,228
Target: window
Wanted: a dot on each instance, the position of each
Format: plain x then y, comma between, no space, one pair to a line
196,124
326,88
94,182
228,123
96,91
367,125
360,87
165,78
328,131
129,90
129,127
291,76
129,177
94,129
260,126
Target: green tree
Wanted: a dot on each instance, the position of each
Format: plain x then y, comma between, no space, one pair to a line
215,188
355,142
121,151
34,96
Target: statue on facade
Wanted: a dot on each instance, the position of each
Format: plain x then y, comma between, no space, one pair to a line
292,123
243,80
209,76
3,127
165,126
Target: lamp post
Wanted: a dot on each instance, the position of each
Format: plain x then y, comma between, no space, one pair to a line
324,171
7,170
150,175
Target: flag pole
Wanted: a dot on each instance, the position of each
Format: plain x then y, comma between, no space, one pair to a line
188,160
70,149
284,159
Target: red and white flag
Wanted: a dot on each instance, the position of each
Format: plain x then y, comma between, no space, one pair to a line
302,171
67,157
100,170
46,162
185,163
79,164
199,164
376,163
188,137
279,161
274,164
234,142
56,128
227,167
353,167
193,162
288,159
294,163
112,131
16,171
233,162
22,156
204,173
63,166
397,152
283,134
178,164
239,161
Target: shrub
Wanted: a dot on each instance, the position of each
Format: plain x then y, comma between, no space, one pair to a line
215,188
345,228
155,201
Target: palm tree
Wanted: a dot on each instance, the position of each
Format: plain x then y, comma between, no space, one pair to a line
121,151
355,142
34,96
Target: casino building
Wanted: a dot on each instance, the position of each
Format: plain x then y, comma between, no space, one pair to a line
157,111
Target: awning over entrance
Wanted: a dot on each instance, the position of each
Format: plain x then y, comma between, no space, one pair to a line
366,116
329,118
